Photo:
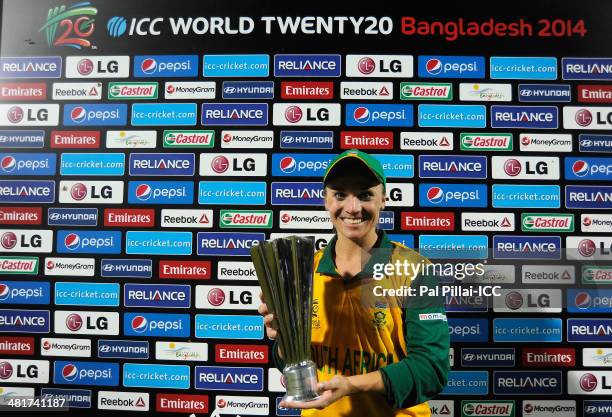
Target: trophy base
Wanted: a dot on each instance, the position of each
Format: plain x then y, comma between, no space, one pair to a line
301,382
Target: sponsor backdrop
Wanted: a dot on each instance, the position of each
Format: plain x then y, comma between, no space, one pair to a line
145,149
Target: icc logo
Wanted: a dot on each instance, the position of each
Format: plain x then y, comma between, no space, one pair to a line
70,26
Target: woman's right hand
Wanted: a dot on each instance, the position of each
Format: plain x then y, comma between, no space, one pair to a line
269,322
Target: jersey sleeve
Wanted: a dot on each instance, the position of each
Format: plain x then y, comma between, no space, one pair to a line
423,373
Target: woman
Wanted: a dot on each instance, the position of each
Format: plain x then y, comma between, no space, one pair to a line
373,360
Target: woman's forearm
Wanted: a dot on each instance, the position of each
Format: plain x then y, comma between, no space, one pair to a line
369,382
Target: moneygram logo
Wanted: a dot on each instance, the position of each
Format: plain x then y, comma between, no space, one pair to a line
70,26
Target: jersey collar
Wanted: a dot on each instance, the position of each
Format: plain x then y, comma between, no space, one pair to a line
327,265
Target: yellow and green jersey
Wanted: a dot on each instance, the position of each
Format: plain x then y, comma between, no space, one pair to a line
354,333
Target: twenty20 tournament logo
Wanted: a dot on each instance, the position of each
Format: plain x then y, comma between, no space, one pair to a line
70,26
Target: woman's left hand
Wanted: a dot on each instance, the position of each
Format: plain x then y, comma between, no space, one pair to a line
329,391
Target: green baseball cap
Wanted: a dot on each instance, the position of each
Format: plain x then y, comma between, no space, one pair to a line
371,163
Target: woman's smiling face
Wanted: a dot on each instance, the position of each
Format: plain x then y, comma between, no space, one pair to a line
354,203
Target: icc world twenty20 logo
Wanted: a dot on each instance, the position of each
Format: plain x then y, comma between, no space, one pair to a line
70,26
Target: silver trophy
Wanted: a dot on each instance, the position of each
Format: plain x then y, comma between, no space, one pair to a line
284,270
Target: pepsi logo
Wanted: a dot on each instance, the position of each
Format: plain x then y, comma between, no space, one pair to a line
78,114
587,221
366,65
433,66
72,241
586,247
15,114
435,195
8,164
85,66
514,300
293,114
4,291
70,372
139,324
285,218
170,89
583,117
227,138
219,164
525,140
78,191
580,168
6,370
512,167
216,297
148,66
361,114
74,322
288,164
143,192
588,382
583,300
8,240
